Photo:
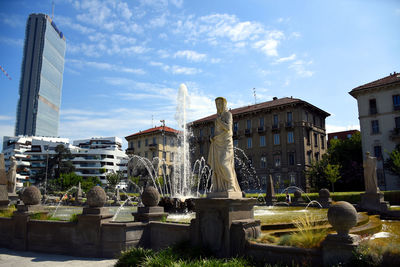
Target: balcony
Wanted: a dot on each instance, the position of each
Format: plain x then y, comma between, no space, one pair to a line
235,133
395,134
275,127
373,111
130,150
247,131
153,146
289,124
261,129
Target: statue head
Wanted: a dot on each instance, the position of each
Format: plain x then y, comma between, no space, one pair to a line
221,104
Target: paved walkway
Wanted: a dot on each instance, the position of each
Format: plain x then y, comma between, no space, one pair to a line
11,258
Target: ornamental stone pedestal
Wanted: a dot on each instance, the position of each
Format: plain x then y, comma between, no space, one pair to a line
223,224
150,211
373,202
90,221
339,248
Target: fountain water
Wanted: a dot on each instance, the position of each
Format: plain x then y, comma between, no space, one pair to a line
59,203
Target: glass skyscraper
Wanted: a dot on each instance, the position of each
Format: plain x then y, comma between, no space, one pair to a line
41,78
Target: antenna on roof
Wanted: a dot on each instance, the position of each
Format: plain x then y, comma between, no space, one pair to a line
255,96
52,10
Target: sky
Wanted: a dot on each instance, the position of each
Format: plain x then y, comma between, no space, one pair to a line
126,59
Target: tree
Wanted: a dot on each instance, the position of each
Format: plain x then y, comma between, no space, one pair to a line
332,174
315,173
113,178
392,164
348,154
62,161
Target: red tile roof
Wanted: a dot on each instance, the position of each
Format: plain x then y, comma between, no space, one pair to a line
155,129
265,105
391,79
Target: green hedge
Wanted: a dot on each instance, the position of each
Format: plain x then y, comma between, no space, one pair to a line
352,197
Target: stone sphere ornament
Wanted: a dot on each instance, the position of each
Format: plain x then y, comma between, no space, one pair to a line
31,195
150,197
324,193
342,216
96,197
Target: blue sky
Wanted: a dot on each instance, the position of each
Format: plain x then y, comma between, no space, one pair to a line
126,59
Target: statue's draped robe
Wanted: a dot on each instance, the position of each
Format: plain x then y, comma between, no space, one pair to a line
221,156
370,177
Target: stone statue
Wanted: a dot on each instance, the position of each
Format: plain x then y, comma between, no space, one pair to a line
12,176
221,156
370,179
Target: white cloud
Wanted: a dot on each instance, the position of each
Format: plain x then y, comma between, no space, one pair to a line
190,55
159,21
12,20
285,59
269,47
175,69
11,41
177,3
5,118
299,67
64,22
104,66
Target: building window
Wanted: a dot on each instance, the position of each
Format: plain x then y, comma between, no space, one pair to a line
263,162
235,127
375,126
154,154
248,124
201,149
335,137
322,142
372,107
172,156
277,161
289,118
212,130
396,102
290,137
131,144
164,141
378,152
276,139
306,116
291,159
201,133
164,154
309,157
314,120
261,124
397,122
235,143
262,140
317,156
249,142
171,141
138,143
146,154
146,142
315,140
348,136
276,121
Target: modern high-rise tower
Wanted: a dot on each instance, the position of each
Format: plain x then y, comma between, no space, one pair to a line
41,78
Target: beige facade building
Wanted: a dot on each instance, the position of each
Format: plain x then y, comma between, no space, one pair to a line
160,142
379,115
280,137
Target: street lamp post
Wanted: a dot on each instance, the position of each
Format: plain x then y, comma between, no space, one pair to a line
47,164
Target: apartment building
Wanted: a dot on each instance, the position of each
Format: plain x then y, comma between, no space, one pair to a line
91,157
280,137
379,115
342,135
157,142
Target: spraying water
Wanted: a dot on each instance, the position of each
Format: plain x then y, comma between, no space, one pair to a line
181,179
